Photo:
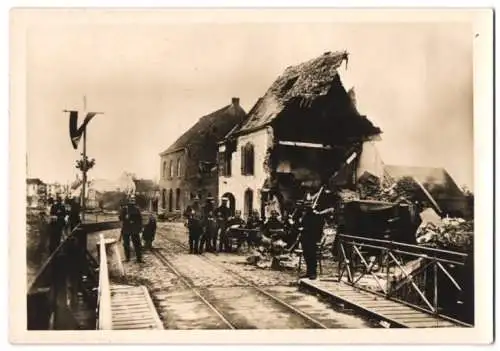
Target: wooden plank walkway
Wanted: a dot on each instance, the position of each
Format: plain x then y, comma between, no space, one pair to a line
395,313
132,308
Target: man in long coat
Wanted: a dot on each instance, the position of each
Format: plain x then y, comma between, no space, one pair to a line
131,228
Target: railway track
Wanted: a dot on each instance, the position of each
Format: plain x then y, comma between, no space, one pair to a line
193,288
264,303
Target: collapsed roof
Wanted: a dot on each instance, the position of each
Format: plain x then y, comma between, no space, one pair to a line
310,88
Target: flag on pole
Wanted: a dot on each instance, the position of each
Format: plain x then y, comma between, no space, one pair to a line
76,132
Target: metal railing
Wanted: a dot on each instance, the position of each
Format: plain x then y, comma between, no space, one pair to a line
432,280
70,273
104,321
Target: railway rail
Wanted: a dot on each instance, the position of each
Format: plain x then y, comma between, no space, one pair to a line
222,312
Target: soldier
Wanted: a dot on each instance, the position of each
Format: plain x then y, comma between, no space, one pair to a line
254,223
209,206
222,215
57,223
195,230
311,225
131,228
273,224
209,238
148,234
234,222
74,213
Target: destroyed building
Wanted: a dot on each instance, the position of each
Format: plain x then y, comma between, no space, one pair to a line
437,188
188,167
304,132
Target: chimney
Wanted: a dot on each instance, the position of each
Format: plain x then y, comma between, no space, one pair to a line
235,101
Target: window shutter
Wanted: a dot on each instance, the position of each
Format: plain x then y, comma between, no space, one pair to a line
243,159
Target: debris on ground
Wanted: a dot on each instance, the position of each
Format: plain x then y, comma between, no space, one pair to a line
449,233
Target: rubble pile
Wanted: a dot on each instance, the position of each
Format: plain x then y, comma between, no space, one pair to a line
348,195
271,254
449,233
370,188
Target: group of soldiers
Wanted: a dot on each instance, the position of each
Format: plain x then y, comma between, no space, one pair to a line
215,230
210,229
65,215
60,216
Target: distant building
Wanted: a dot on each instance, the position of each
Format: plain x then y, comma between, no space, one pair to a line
304,132
35,192
188,167
55,189
147,194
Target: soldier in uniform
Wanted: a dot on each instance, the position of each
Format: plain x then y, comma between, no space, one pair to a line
57,222
209,238
311,226
131,228
255,224
273,224
222,215
208,207
234,222
74,213
195,231
149,232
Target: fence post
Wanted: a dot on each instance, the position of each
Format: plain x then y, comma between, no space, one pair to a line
388,284
435,267
104,297
339,259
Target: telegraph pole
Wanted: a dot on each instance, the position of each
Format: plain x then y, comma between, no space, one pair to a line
83,164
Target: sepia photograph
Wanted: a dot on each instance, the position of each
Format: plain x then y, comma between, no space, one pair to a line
268,171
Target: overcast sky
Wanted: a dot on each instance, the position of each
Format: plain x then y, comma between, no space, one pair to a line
154,81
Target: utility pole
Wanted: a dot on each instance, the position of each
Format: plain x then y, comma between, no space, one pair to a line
83,164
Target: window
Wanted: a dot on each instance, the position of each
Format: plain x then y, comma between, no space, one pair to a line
225,163
228,157
171,169
179,167
247,159
164,170
178,199
248,203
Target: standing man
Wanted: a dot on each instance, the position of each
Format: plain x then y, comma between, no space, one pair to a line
74,213
57,222
149,232
222,216
131,228
195,230
311,225
209,239
209,206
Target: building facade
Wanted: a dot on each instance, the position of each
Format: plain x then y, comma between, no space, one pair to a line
303,133
36,193
188,168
